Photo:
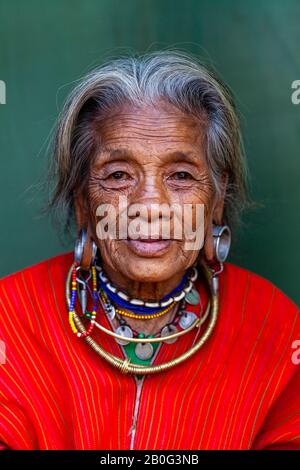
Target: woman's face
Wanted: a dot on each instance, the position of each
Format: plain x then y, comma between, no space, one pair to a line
150,155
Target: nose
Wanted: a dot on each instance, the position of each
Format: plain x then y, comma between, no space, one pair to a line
151,205
150,199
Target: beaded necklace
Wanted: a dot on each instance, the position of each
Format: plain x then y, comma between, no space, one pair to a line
126,365
143,308
143,352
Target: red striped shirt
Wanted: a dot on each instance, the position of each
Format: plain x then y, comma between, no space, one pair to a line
239,391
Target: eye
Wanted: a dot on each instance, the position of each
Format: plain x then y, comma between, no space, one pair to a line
181,175
119,175
119,179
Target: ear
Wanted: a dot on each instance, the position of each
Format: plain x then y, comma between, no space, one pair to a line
219,206
215,217
82,220
81,212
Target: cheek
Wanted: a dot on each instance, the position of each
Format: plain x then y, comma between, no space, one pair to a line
201,203
96,196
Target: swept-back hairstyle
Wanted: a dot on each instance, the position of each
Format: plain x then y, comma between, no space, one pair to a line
174,76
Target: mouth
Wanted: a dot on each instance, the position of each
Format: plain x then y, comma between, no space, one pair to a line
149,247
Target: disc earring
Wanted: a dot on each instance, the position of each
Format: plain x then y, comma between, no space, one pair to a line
222,242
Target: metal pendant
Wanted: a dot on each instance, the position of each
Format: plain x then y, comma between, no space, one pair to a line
82,290
186,319
192,297
169,330
83,298
82,294
110,310
126,331
144,350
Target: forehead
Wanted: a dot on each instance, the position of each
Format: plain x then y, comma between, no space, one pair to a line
160,127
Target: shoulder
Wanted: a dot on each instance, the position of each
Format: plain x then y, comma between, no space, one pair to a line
256,293
237,276
23,291
40,270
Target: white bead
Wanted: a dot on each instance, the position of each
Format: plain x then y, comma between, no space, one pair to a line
122,295
167,302
136,302
152,304
188,288
179,297
111,288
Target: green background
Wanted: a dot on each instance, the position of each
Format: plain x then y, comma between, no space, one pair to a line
254,45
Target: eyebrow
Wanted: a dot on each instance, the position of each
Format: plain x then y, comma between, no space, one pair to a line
174,156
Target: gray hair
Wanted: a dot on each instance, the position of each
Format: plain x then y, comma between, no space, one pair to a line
174,76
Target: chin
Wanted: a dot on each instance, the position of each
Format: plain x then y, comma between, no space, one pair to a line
150,269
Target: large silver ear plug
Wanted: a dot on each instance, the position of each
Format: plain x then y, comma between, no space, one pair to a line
222,242
82,281
79,245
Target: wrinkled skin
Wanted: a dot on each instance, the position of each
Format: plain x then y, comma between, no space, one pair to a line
162,161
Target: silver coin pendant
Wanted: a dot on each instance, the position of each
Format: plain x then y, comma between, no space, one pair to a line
144,351
125,331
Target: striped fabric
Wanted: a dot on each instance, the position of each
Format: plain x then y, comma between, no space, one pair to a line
240,391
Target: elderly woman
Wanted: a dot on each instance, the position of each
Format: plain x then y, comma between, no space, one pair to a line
144,337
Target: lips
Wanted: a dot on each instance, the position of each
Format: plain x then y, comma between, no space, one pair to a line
149,247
